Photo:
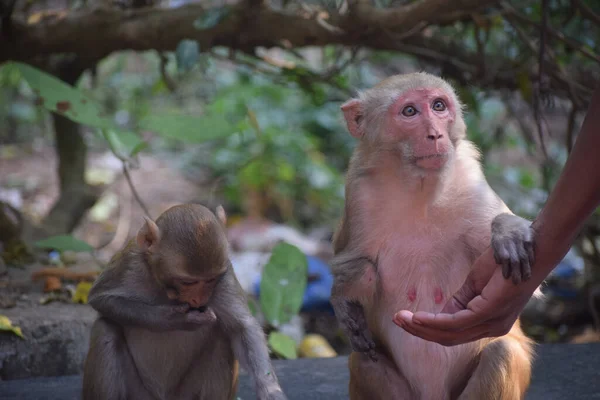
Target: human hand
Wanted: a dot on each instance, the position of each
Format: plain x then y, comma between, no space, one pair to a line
487,305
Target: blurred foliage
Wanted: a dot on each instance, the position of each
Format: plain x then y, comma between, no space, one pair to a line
278,153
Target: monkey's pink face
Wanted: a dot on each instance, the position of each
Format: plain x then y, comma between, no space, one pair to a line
421,121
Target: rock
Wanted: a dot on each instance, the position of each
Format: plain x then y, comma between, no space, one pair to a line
56,339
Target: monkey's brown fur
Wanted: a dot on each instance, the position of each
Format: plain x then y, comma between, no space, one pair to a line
174,320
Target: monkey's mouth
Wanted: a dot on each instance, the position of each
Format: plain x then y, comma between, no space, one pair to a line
437,155
199,309
431,161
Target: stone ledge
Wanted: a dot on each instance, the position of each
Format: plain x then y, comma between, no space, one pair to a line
561,371
56,339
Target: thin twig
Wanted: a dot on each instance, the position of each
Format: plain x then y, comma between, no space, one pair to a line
539,87
571,43
587,12
133,190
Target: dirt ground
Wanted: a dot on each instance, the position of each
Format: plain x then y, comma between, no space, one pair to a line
28,181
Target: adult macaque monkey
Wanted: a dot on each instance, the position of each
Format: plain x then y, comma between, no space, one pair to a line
418,212
174,320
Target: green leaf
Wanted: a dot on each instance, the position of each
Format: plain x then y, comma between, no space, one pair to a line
211,18
188,128
187,54
283,345
123,144
61,98
64,243
57,96
283,284
141,146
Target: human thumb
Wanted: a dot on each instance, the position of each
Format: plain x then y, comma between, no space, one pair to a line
461,298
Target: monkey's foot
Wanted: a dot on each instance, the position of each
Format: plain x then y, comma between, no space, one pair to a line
512,242
351,316
360,337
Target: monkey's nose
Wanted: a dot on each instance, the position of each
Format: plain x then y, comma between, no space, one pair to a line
434,136
195,302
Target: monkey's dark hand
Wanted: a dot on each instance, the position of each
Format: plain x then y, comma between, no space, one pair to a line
180,316
200,317
352,319
512,242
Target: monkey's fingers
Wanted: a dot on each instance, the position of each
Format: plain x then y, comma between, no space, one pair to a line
198,317
502,257
516,272
525,267
181,308
513,261
530,249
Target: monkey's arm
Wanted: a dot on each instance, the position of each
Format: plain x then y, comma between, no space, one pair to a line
129,298
354,280
247,337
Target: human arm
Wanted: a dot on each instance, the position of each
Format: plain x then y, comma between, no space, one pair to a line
487,305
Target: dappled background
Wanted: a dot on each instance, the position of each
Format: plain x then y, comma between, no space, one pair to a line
113,110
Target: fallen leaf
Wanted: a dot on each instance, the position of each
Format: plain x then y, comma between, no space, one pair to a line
81,292
6,325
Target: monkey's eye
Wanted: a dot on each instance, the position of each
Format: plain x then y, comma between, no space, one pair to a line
188,283
409,111
439,105
211,280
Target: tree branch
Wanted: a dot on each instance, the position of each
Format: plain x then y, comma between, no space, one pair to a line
247,28
161,29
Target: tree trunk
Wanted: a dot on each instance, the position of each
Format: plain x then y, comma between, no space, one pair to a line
76,196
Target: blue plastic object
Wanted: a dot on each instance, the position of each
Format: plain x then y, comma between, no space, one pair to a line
318,291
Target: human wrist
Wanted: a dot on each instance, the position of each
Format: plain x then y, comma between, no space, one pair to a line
550,246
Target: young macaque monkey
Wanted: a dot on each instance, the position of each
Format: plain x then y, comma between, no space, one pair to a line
418,212
174,320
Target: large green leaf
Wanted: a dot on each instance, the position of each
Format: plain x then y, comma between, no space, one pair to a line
283,345
283,283
64,243
57,96
189,128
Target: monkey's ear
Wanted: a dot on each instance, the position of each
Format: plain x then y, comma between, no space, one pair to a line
149,235
352,110
221,215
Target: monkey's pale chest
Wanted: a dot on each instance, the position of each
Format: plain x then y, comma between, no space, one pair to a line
420,273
